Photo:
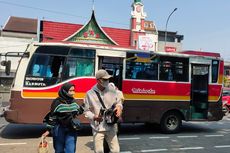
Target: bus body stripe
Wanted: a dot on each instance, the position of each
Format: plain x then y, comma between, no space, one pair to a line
53,95
132,89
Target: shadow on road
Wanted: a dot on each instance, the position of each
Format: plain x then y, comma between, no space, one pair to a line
21,131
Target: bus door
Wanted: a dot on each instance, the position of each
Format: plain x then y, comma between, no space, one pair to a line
112,62
199,91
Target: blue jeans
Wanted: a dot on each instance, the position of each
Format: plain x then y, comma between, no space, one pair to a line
64,140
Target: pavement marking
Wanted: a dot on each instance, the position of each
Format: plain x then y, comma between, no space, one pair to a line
224,146
190,148
220,135
188,136
154,150
137,138
159,137
226,130
11,144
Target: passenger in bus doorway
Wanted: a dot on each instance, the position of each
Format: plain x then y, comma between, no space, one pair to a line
103,94
62,120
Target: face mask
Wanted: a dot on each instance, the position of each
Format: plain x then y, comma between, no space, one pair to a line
105,83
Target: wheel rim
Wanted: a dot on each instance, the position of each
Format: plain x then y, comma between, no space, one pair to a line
172,122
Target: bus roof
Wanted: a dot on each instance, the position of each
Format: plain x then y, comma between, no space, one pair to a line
186,53
201,53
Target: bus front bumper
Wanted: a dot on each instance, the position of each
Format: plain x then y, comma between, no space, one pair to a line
10,115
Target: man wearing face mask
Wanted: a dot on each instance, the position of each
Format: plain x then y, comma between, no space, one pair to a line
101,130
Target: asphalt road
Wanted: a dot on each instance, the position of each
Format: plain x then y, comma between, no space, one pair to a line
195,137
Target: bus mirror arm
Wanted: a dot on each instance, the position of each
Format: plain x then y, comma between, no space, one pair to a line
16,54
27,55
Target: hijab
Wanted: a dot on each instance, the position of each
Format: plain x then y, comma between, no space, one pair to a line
63,92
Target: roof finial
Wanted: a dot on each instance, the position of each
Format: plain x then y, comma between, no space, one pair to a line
93,5
136,1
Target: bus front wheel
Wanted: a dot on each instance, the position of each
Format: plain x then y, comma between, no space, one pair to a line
171,122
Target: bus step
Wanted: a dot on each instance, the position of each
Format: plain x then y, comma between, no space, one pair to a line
197,115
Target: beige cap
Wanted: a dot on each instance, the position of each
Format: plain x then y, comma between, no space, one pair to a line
102,74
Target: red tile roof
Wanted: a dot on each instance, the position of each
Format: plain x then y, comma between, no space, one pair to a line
57,31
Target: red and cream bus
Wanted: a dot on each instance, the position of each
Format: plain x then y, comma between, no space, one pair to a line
158,87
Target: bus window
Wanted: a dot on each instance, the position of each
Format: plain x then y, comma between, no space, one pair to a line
174,69
166,72
181,71
80,63
80,67
47,68
215,66
142,67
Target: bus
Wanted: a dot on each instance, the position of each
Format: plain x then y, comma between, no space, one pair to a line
159,87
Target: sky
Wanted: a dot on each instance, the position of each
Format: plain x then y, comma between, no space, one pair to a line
205,24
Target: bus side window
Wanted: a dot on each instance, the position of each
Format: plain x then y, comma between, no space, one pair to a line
181,70
166,71
174,69
56,66
78,67
215,69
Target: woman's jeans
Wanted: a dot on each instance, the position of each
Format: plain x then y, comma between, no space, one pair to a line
64,140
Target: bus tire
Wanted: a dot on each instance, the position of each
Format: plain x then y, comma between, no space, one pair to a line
171,122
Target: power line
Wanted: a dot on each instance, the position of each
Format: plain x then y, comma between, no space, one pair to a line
56,12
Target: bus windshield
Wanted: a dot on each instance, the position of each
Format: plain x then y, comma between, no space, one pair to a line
50,65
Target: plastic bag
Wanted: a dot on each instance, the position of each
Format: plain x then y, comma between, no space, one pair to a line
43,146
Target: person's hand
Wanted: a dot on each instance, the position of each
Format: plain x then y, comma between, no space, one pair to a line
118,110
98,118
45,134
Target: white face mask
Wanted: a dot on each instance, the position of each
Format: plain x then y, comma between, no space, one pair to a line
105,83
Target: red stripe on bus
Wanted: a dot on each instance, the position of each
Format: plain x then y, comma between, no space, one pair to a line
156,88
81,85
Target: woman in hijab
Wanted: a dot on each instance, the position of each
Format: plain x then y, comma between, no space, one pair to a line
60,121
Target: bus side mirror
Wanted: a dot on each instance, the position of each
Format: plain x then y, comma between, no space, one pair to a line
7,65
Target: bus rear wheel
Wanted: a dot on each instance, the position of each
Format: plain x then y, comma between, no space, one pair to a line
171,122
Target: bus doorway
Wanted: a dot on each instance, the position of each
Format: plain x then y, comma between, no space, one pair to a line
199,91
114,66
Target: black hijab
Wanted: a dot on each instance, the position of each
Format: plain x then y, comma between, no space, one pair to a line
63,92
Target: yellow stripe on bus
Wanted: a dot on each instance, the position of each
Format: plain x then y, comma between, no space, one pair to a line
220,79
157,97
49,95
165,97
213,98
81,95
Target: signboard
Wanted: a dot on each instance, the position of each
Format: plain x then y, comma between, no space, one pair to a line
170,49
147,42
